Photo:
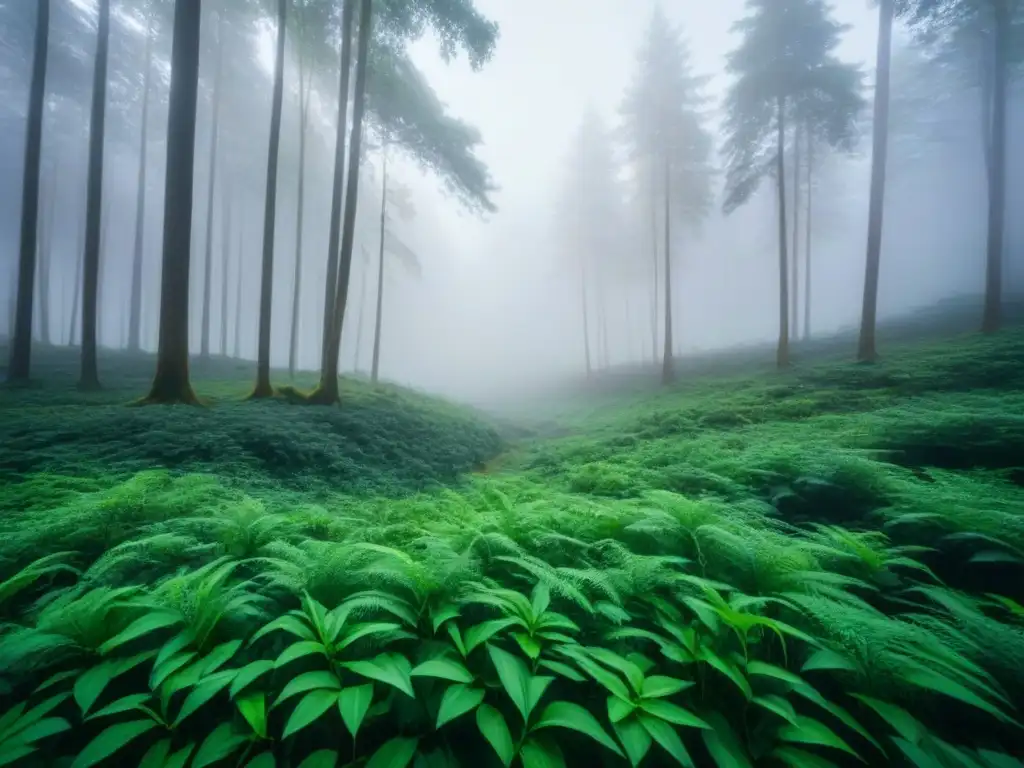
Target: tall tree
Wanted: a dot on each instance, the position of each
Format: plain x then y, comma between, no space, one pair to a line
45,257
89,377
225,256
19,365
263,387
784,67
216,98
669,144
135,300
238,296
171,382
77,294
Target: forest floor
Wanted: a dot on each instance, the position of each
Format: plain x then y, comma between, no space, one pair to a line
861,526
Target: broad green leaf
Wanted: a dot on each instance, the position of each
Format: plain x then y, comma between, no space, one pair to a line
535,690
770,670
658,686
249,674
562,669
540,600
92,683
541,754
905,724
353,702
34,715
564,714
494,728
445,669
810,731
933,681
917,756
667,738
672,713
619,709
180,758
298,650
391,668
308,681
359,631
110,741
262,760
481,633
174,663
458,699
134,701
634,738
174,646
221,743
602,676
203,692
799,758
322,758
220,656
11,716
396,753
728,669
41,729
11,753
439,617
60,677
778,705
997,759
289,624
253,707
530,646
141,627
824,659
632,672
811,694
313,705
514,676
456,636
723,744
156,755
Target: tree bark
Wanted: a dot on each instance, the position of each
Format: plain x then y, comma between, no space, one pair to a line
79,262
807,242
866,352
798,148
992,319
375,363
20,362
586,320
263,387
45,260
344,75
225,256
89,377
304,88
782,351
654,264
100,281
327,391
135,311
238,295
171,382
204,336
362,312
667,369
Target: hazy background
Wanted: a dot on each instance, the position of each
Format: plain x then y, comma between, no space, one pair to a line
496,306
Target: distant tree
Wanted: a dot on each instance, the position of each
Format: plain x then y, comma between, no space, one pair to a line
225,257
171,382
785,69
669,144
216,99
45,258
77,293
19,365
89,377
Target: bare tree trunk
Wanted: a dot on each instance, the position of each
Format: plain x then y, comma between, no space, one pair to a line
331,287
362,311
654,265
135,311
327,391
238,295
101,277
602,314
667,369
992,319
225,256
89,377
798,148
375,363
304,88
45,259
20,362
263,387
171,382
807,243
866,352
586,320
204,336
79,262
987,66
782,352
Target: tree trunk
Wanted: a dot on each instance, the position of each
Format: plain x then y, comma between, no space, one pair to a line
171,382
45,260
204,336
667,369
331,287
101,271
135,311
866,352
782,352
798,148
586,320
304,88
238,295
807,242
79,261
89,377
20,362
225,256
992,319
362,312
327,391
602,316
987,66
375,364
654,265
263,387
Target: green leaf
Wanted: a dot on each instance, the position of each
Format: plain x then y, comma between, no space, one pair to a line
933,681
632,672
564,714
57,678
778,705
110,741
445,669
541,754
728,669
298,650
494,728
634,738
249,674
11,753
179,758
810,731
253,707
619,709
41,729
221,743
799,758
90,686
359,631
458,699
262,760
603,677
124,704
456,636
530,646
563,669
905,724
156,755
353,702
171,665
770,670
220,656
322,758
811,694
535,690
824,659
481,633
724,745
313,705
658,686
203,692
540,600
514,676
288,624
672,713
391,668
142,626
439,617
308,681
667,738
917,756
396,753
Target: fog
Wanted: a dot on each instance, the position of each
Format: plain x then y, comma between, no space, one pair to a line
493,303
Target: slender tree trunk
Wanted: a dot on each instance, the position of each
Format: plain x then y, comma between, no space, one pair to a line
798,150
602,316
89,377
102,270
12,302
263,387
327,392
362,311
586,320
866,352
331,287
992,319
667,369
204,339
375,364
238,294
225,256
782,352
20,362
807,242
304,88
135,311
654,264
45,259
171,382
79,262
987,66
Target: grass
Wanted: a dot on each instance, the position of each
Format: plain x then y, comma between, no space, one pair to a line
815,568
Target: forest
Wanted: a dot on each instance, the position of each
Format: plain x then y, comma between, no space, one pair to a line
335,433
